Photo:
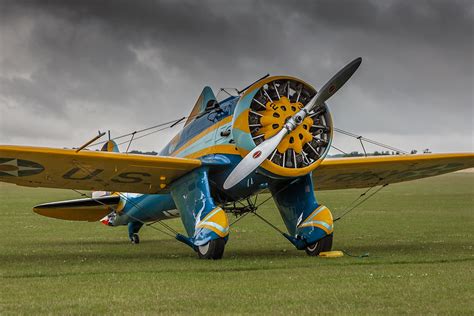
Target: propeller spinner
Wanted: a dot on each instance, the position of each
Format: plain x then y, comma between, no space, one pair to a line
260,153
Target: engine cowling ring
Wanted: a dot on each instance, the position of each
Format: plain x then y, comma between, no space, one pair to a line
260,114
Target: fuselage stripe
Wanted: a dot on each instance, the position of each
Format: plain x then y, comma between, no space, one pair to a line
201,135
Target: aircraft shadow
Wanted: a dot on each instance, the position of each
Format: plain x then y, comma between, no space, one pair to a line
171,250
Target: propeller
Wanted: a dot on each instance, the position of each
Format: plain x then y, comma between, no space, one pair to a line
261,152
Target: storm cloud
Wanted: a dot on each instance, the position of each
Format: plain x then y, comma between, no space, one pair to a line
70,68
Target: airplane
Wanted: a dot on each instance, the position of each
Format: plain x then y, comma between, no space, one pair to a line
273,136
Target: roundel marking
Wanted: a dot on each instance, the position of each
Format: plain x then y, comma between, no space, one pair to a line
12,167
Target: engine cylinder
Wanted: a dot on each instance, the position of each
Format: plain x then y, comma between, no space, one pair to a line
261,113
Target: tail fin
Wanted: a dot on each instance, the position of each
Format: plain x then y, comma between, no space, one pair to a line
110,145
206,99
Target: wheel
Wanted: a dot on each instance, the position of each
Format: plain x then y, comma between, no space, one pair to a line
212,250
324,244
135,239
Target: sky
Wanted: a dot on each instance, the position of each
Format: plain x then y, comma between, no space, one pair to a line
71,68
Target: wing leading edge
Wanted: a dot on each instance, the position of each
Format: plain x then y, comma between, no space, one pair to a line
361,172
90,170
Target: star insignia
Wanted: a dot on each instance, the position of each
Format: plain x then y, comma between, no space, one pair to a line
18,167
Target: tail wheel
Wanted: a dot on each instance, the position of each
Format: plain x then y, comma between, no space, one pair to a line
214,249
324,244
273,104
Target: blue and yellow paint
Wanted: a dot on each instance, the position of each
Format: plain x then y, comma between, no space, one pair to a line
187,187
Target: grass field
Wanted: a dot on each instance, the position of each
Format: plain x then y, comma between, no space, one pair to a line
419,236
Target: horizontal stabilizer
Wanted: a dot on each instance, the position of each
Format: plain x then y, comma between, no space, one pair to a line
90,210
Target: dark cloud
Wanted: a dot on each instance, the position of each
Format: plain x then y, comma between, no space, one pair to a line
70,68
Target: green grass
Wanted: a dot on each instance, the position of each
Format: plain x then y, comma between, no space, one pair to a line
419,236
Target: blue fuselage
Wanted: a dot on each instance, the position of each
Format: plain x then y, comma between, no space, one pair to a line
207,137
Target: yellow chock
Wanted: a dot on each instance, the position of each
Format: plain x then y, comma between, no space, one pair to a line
331,254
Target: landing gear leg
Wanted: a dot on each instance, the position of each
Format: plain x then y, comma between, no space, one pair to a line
133,229
206,224
310,224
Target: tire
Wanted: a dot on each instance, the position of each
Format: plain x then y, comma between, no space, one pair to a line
214,249
324,244
135,239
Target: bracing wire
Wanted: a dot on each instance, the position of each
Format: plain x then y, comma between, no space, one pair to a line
361,138
173,123
130,202
139,131
166,125
340,150
350,209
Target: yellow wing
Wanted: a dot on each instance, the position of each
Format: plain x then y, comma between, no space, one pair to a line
361,172
90,170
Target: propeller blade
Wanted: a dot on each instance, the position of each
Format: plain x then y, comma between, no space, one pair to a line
334,84
253,159
258,155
